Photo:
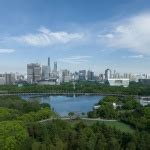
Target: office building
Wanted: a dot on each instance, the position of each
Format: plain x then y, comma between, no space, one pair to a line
66,76
107,74
33,72
82,75
55,72
55,67
101,77
49,67
45,72
90,75
2,79
9,78
75,76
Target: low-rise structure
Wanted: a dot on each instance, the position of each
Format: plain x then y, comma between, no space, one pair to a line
144,81
145,100
118,82
51,81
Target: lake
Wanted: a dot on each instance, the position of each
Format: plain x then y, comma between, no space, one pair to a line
65,104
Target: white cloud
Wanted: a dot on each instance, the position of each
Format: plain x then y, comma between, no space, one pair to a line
140,56
132,34
45,37
75,59
2,51
136,56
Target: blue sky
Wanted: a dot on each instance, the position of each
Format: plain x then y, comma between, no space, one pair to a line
79,34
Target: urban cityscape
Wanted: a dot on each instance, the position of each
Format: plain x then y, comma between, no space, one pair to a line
49,74
74,75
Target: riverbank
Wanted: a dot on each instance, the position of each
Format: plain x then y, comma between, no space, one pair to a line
81,87
57,93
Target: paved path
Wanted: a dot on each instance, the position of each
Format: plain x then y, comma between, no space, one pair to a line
88,119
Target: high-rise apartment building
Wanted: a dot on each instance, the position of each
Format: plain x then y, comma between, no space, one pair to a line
33,72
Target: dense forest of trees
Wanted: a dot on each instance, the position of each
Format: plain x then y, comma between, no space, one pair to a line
81,87
130,112
20,128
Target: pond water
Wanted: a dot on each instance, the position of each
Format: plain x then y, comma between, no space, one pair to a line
65,104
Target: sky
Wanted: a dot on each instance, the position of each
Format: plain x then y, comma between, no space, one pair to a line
78,34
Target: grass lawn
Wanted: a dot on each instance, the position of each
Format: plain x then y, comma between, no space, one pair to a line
114,124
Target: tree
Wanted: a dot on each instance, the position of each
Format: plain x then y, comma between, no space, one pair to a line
131,146
13,135
71,115
107,111
113,144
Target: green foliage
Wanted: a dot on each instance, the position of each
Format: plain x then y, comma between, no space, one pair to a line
43,105
106,109
131,112
36,116
8,114
139,118
31,106
25,130
59,134
12,135
12,102
146,112
109,99
81,87
71,114
130,103
15,102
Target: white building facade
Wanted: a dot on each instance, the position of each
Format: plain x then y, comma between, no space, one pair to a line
118,82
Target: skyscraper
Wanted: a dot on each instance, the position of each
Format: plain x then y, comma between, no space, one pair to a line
82,75
66,76
45,72
90,75
107,74
33,72
55,66
49,66
55,73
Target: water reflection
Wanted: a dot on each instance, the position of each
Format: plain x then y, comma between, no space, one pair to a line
65,104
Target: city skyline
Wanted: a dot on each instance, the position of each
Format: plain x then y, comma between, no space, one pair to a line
101,35
47,75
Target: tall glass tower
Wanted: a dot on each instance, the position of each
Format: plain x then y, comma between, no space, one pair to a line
49,66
